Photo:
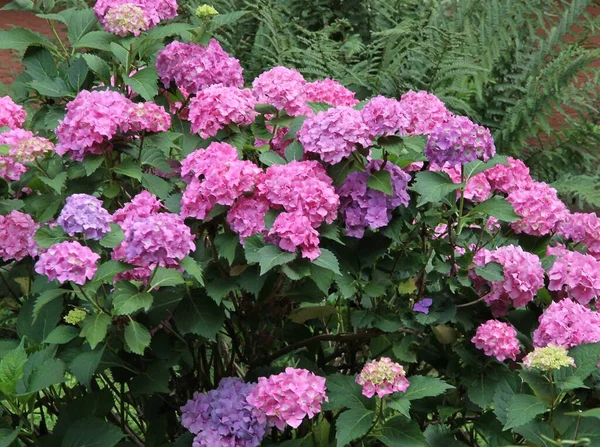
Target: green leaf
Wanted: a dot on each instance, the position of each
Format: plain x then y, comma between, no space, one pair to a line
39,63
475,167
94,328
11,369
399,431
160,32
156,185
129,169
165,278
593,413
154,156
328,261
107,271
400,404
97,64
36,331
352,424
137,337
42,374
252,247
193,268
226,19
381,181
227,244
492,271
79,24
21,38
57,183
91,163
533,432
127,299
522,409
425,386
271,256
344,392
77,73
497,207
8,205
53,88
97,40
7,437
44,298
61,335
586,358
433,186
440,436
114,237
144,82
199,315
294,151
265,109
92,432
270,158
85,365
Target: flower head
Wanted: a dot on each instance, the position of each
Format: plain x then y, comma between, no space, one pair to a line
425,112
294,230
125,19
247,215
509,178
68,261
223,417
24,146
382,377
10,169
146,116
384,116
17,232
576,274
11,114
289,397
143,205
582,228
282,88
497,339
84,214
548,358
206,11
478,188
75,316
423,305
329,91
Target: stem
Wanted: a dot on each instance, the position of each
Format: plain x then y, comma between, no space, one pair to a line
471,303
89,300
62,45
462,199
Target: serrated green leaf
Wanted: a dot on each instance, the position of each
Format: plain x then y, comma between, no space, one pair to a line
57,183
252,246
46,237
127,299
163,277
193,268
381,181
433,186
492,271
61,335
352,424
144,82
129,169
522,409
97,40
80,23
265,109
77,73
425,386
97,64
94,328
271,256
497,207
11,369
44,298
328,261
91,163
39,63
114,237
199,315
475,167
270,158
137,337
157,186
85,365
92,432
294,152
399,431
107,271
21,38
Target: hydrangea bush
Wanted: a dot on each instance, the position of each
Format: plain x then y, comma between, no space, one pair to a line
193,258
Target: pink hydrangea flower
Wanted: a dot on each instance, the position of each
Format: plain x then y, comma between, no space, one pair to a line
567,323
582,228
216,107
294,230
459,141
363,207
84,214
334,134
141,206
539,207
509,178
92,119
382,377
478,188
11,114
194,67
24,146
425,112
497,339
122,17
146,116
384,116
302,186
17,232
523,277
289,397
283,88
247,215
11,170
68,261
577,275
330,92
202,161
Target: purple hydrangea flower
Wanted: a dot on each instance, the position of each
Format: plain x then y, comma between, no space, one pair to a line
423,305
223,417
84,214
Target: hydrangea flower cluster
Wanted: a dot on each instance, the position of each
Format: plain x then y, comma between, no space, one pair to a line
220,178
425,112
334,134
194,67
288,397
582,228
223,417
459,141
283,88
68,261
577,275
539,207
506,179
497,339
548,358
11,115
24,146
478,188
141,206
146,116
75,316
10,169
16,236
384,116
247,215
363,207
382,377
216,107
523,277
329,91
122,17
84,214
567,323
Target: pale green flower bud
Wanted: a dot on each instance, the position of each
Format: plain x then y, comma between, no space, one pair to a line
76,316
549,358
206,11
